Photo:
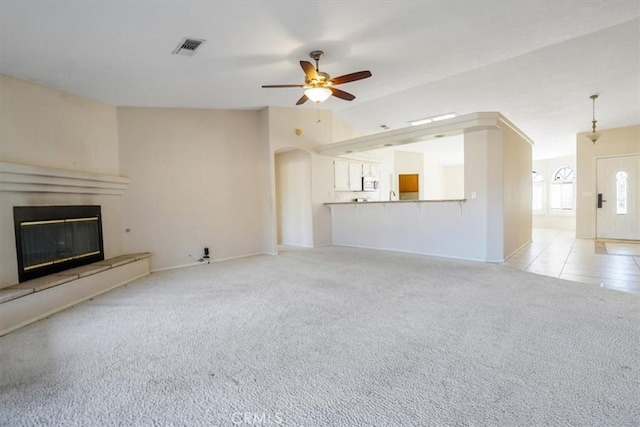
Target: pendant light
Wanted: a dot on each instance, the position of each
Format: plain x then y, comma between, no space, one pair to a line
593,136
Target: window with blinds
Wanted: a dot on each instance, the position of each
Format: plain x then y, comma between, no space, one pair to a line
563,190
537,192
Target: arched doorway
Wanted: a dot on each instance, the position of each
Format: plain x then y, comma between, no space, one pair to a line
294,218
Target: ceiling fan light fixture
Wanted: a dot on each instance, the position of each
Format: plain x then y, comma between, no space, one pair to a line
318,94
318,85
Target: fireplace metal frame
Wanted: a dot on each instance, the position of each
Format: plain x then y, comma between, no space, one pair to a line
22,214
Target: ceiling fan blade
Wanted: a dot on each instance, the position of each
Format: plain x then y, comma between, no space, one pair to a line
302,100
342,94
271,86
309,70
351,77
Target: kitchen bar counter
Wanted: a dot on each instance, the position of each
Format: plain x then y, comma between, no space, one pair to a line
450,228
395,201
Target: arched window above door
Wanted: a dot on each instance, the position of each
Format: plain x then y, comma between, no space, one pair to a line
564,174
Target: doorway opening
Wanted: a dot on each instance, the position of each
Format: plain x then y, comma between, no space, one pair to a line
294,219
408,186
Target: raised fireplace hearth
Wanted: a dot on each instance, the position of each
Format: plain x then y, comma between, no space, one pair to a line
51,239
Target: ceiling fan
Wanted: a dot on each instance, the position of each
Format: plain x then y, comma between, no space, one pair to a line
319,85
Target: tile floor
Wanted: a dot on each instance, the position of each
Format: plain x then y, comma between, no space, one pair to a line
558,253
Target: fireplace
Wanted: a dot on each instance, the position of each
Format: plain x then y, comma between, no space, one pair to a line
50,239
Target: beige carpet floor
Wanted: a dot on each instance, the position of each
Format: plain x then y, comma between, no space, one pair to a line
331,337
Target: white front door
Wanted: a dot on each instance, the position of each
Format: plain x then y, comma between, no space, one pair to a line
618,214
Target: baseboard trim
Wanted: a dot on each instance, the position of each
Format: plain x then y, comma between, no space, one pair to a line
517,250
211,261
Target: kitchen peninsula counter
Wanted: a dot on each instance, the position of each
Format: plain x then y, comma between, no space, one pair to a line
371,202
449,227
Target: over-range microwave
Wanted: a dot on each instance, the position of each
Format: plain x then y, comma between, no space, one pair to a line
369,183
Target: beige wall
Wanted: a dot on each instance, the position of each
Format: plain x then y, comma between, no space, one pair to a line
266,166
196,181
476,170
497,170
342,131
315,125
45,127
321,192
612,142
517,161
495,194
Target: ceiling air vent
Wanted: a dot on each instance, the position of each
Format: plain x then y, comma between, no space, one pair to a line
188,47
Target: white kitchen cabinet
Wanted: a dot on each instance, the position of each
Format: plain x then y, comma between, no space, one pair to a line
370,169
347,176
341,175
355,176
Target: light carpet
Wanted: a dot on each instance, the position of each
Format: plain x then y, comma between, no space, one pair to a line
331,337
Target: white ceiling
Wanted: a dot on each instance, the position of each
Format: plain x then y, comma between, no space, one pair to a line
536,62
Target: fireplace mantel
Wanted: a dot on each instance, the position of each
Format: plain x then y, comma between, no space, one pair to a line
16,177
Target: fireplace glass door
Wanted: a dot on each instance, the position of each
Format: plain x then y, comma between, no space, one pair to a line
54,238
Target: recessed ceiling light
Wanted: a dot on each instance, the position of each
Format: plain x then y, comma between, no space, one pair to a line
444,117
432,119
420,122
